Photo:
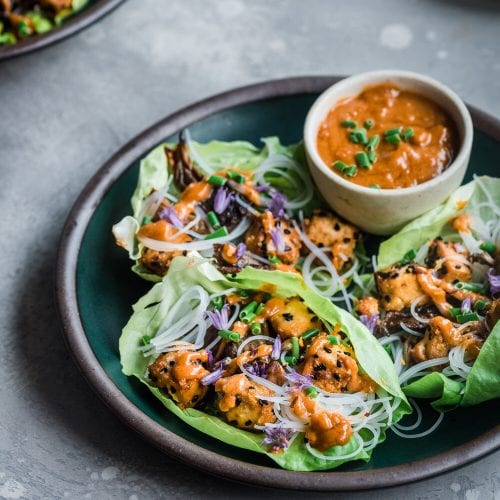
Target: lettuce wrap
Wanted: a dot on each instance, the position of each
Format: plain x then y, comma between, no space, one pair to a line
188,272
481,200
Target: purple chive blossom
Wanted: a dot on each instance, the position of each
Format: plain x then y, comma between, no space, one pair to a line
257,369
212,377
369,321
494,281
240,250
277,438
219,319
262,188
276,352
222,200
170,215
278,239
210,357
466,305
277,205
299,382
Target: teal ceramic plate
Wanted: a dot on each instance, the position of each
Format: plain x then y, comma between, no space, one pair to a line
95,291
92,12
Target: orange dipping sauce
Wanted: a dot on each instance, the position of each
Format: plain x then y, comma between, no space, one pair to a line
416,138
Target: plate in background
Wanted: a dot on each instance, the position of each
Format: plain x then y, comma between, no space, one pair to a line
92,12
96,288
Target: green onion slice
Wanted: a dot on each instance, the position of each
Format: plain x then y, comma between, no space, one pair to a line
309,334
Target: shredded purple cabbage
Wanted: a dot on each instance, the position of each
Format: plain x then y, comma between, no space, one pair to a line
494,281
278,239
299,382
222,200
276,352
278,202
219,319
212,377
370,321
240,250
277,438
170,215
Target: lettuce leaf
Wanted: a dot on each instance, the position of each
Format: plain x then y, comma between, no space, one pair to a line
184,272
483,382
218,155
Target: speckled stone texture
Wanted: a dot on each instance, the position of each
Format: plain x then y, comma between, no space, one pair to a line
66,109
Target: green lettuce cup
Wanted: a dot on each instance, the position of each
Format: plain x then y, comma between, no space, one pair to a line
170,323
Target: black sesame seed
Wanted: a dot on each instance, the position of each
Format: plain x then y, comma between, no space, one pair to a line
287,316
248,422
336,226
336,376
339,363
347,240
286,231
327,350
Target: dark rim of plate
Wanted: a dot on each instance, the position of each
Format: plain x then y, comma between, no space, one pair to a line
167,441
75,23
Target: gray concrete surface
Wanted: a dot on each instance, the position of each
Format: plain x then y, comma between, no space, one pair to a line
66,109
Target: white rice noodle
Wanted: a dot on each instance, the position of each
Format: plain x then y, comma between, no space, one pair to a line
257,257
409,330
472,245
420,369
200,162
413,311
430,430
458,367
286,167
168,246
246,205
152,202
252,338
230,323
422,253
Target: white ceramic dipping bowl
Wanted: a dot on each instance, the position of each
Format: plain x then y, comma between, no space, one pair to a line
385,211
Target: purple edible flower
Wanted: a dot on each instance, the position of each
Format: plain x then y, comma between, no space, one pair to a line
262,188
219,319
240,250
170,215
276,352
257,369
222,200
210,357
277,205
212,377
278,239
277,438
299,382
369,321
494,281
466,305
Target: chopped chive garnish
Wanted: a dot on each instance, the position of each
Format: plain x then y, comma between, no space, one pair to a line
218,302
358,136
348,124
488,247
455,311
373,142
309,334
23,29
340,165
255,328
388,350
369,123
274,259
259,309
374,186
465,318
393,139
346,343
392,131
146,339
472,287
312,392
217,234
362,160
248,309
244,293
213,220
235,176
147,220
249,318
350,171
295,347
372,156
217,180
333,339
405,135
480,305
408,257
291,360
229,335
